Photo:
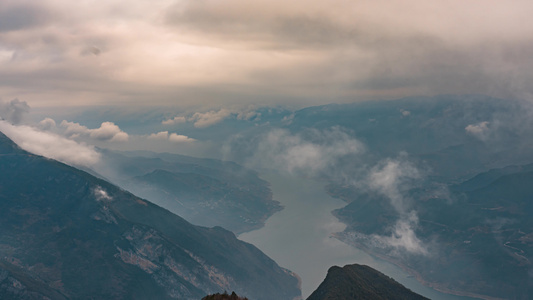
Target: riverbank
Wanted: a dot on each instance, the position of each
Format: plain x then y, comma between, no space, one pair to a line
436,286
299,237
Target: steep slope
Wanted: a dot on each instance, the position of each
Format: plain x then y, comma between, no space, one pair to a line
67,234
360,282
205,200
205,192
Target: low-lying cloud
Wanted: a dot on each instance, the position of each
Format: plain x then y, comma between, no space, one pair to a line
172,137
312,153
393,178
107,131
480,130
174,121
202,120
50,145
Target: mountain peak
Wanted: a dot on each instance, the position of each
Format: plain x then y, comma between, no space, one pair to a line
360,282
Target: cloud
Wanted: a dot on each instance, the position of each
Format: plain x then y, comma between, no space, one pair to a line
18,15
14,111
47,124
50,145
162,135
405,113
178,138
403,236
107,131
202,120
172,137
101,194
249,115
311,153
90,50
212,117
393,178
175,120
480,130
212,53
335,154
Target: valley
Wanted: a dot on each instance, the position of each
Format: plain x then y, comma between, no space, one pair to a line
300,237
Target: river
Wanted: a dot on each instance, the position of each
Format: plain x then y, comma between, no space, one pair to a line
298,237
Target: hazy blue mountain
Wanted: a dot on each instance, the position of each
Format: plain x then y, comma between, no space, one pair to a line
472,203
433,129
66,234
205,192
480,240
355,281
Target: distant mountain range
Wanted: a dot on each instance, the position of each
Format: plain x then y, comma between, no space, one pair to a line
66,234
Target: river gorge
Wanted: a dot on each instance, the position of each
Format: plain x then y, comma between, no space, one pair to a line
299,237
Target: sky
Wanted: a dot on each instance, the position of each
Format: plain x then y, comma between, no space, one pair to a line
236,53
101,74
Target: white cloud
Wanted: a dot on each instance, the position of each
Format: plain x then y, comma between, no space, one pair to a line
101,194
162,135
315,153
404,237
391,178
202,120
175,120
480,130
47,124
172,137
50,145
108,131
178,138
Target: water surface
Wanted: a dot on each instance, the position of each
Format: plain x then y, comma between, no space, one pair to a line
298,237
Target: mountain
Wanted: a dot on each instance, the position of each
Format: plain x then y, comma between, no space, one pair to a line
479,238
205,192
360,282
66,234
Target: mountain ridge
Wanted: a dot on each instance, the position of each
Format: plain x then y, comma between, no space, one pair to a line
360,282
82,237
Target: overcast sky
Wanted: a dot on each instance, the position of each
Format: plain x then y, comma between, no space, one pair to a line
262,52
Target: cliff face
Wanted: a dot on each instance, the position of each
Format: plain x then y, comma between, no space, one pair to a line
360,282
67,234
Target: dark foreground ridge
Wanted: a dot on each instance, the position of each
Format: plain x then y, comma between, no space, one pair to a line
65,234
360,282
224,296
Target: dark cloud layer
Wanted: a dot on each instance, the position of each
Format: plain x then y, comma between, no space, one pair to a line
22,15
215,53
14,111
